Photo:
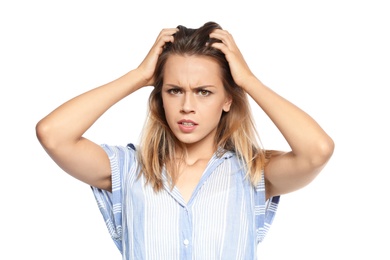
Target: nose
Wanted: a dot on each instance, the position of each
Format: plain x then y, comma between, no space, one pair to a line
188,105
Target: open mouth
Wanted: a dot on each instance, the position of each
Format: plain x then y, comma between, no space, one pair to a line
187,126
187,123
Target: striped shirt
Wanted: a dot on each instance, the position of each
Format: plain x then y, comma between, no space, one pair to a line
226,217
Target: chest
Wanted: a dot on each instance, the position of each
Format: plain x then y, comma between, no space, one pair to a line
219,218
189,179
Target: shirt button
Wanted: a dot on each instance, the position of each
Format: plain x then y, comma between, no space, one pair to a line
186,242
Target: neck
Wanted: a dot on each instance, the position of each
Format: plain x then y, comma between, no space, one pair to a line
196,152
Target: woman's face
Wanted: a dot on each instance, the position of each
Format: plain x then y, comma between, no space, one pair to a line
193,98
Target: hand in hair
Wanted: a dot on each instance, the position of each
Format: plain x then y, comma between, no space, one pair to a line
148,65
238,67
311,147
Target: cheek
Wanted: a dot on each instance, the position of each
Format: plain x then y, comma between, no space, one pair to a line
216,105
169,109
212,112
165,103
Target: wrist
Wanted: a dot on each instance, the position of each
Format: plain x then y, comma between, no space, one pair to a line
251,83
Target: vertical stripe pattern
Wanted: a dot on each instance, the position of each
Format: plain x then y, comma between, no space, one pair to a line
225,218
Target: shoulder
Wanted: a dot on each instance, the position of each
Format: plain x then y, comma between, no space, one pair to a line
115,149
120,155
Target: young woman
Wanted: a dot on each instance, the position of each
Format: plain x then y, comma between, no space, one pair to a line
199,185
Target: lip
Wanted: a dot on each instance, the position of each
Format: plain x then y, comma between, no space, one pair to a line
186,125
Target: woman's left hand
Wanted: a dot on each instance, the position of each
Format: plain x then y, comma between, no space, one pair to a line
238,66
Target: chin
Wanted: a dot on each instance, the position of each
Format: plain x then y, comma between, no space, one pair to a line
187,138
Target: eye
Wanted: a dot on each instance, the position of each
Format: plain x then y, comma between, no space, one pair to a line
174,91
204,93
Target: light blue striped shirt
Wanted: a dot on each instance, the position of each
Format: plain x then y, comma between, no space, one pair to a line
225,218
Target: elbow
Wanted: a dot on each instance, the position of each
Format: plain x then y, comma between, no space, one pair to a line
322,152
44,134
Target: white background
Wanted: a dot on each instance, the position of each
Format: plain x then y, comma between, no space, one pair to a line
331,58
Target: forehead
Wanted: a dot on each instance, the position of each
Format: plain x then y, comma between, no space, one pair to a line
192,68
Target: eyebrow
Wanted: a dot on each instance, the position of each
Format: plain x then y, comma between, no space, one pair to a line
195,88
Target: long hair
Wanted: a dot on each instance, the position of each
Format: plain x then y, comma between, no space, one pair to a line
235,132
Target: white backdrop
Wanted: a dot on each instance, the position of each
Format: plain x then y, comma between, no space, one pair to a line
331,58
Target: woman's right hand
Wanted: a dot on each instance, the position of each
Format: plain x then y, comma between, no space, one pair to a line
61,131
148,65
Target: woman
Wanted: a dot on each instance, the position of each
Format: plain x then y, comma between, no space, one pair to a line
199,186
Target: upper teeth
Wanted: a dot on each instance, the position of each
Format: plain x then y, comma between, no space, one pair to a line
187,123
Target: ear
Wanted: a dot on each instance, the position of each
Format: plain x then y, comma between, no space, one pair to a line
227,104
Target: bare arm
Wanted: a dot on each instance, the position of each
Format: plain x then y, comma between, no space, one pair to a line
61,131
311,147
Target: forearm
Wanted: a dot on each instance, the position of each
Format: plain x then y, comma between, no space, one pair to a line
303,134
71,120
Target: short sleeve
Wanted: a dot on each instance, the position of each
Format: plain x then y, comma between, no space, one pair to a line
110,203
264,210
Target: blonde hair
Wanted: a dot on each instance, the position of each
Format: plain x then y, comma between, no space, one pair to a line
236,130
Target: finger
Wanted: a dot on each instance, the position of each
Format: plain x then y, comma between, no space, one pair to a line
221,46
166,35
167,32
223,36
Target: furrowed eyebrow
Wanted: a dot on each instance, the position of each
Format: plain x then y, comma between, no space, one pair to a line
195,88
172,86
204,87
